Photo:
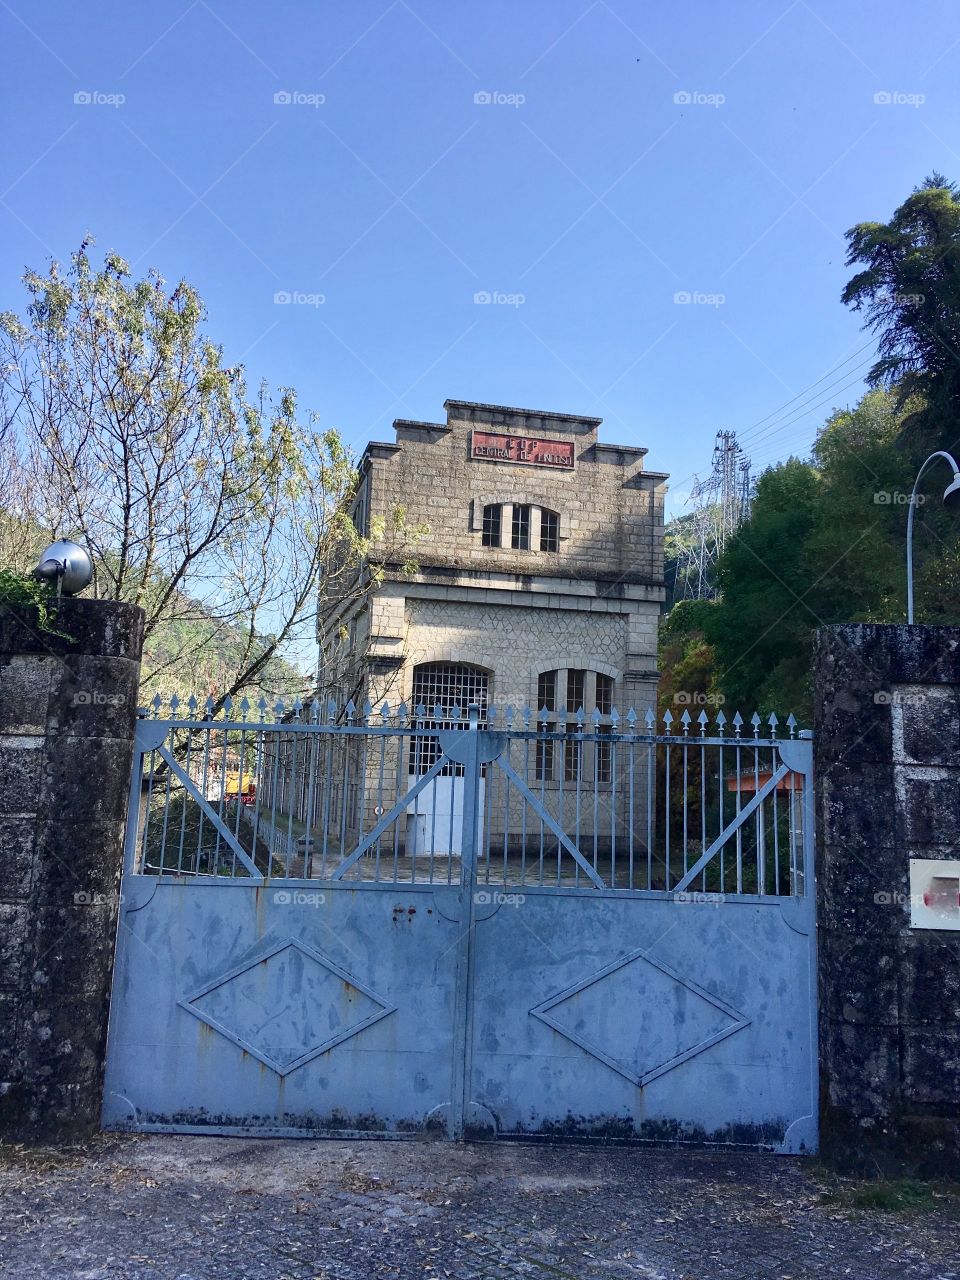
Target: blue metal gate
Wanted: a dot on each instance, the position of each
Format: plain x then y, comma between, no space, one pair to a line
618,942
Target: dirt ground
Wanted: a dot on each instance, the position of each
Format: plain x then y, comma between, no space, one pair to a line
185,1208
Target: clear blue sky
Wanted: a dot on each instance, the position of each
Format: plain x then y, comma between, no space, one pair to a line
584,187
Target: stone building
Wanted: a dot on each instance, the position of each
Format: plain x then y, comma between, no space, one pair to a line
539,582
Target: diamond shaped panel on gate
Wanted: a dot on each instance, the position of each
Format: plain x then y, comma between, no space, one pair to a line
287,1006
622,1021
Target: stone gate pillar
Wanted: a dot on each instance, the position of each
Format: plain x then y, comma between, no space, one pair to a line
67,722
887,778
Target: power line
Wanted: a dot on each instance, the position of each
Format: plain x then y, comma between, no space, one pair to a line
747,432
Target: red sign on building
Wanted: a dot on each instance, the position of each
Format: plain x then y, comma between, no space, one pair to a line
530,452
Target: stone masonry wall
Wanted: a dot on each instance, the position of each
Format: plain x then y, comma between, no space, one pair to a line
887,767
67,720
611,510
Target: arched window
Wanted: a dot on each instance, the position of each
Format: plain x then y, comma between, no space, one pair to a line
521,526
563,693
439,688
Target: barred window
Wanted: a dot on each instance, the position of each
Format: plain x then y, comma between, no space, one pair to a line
520,529
549,530
440,688
492,517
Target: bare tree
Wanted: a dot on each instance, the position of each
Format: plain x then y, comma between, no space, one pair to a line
224,515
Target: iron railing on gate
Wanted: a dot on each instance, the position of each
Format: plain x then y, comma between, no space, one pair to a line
691,806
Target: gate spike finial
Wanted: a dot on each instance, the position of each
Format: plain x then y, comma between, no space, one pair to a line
772,721
244,707
668,719
721,721
631,718
649,720
755,721
685,721
792,724
737,723
702,722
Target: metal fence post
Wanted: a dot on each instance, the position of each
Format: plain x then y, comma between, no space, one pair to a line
462,1021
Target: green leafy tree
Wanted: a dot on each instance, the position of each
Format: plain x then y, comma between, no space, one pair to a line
909,291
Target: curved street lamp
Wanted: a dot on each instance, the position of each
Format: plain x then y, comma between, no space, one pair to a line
951,498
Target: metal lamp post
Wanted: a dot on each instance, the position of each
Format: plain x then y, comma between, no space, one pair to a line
951,498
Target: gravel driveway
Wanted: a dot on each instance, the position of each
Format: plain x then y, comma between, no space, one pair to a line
182,1208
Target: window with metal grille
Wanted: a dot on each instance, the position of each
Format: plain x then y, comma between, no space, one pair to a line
492,517
604,706
546,699
520,527
445,691
549,530
566,692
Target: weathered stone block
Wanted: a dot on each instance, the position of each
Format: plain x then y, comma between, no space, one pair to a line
931,1065
930,806
929,977
16,857
926,723
21,760
14,940
24,693
861,1068
864,978
855,803
85,779
95,697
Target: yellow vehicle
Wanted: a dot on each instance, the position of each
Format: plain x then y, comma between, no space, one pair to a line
240,784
